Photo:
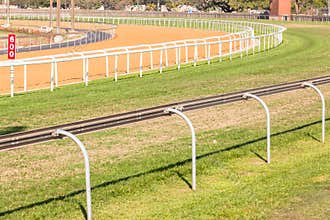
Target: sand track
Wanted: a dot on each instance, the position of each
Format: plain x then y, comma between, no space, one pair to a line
38,76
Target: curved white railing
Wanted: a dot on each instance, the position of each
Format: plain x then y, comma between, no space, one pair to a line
242,38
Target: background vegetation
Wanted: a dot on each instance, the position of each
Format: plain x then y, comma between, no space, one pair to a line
300,6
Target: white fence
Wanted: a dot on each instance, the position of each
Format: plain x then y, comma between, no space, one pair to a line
35,42
243,38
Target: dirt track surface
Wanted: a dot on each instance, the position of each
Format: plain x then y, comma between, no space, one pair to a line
38,76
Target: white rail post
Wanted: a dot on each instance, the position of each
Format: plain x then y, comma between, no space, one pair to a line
187,52
220,51
56,73
176,55
166,57
235,44
179,58
306,84
151,58
247,45
25,77
86,72
248,95
11,81
116,67
209,54
84,69
230,49
87,170
107,66
253,45
195,54
52,77
127,61
240,47
161,61
193,142
141,64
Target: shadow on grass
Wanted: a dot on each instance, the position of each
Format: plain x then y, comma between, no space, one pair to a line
259,156
83,210
160,169
313,137
13,129
184,179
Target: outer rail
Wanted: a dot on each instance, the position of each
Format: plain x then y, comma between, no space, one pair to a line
16,140
243,37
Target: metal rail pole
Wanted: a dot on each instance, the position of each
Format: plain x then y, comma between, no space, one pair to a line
12,81
306,84
25,77
161,61
86,71
52,77
248,95
59,132
193,142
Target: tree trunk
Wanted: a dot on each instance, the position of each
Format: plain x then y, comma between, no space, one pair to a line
296,5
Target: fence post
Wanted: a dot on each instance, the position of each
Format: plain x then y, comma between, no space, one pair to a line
195,54
248,95
127,61
107,66
12,81
25,77
230,49
187,52
193,142
161,61
86,71
306,84
141,67
116,67
52,77
87,170
56,73
209,54
179,57
151,58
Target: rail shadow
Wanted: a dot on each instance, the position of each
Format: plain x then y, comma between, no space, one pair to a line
160,169
83,210
180,175
259,156
12,129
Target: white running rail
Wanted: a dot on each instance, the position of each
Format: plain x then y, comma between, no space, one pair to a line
242,38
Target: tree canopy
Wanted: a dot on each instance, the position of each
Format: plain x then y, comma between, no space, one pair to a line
225,5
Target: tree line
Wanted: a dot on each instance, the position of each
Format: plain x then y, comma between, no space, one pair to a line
298,6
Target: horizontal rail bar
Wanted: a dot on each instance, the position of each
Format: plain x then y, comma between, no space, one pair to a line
16,140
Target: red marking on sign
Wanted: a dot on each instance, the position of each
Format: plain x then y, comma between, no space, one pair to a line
11,46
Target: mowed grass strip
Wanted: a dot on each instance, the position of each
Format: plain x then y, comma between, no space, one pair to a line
304,54
143,171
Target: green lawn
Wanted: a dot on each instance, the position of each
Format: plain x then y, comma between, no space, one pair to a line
142,171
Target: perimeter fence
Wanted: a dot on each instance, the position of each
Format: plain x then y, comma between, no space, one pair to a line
213,15
78,37
236,38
